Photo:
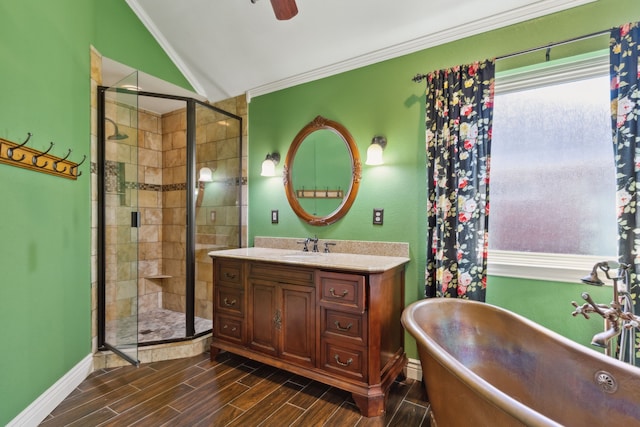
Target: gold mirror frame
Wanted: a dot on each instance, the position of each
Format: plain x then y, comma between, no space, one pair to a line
356,171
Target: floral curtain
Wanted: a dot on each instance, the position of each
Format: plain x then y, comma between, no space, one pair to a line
624,61
459,116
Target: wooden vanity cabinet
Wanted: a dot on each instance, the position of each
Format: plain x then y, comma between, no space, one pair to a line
282,315
341,328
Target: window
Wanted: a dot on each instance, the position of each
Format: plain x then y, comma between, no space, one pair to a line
552,167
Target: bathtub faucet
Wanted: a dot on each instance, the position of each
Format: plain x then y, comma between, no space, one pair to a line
602,339
618,314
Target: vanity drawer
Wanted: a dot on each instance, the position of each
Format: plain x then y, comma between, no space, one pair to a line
281,273
344,324
347,362
342,291
228,272
229,328
229,300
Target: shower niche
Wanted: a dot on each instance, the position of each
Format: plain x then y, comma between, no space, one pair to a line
169,192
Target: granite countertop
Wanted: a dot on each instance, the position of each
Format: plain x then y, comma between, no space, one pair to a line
339,261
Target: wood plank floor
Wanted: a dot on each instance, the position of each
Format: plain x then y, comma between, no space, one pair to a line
230,391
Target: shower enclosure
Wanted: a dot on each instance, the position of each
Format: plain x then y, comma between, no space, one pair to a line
168,193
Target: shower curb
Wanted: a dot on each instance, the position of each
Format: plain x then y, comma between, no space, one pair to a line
155,353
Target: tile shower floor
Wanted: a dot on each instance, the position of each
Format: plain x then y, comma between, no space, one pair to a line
155,325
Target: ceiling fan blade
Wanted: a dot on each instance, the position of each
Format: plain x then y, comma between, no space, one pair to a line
284,9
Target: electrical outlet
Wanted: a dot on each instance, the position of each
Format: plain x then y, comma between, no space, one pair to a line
378,216
212,216
274,217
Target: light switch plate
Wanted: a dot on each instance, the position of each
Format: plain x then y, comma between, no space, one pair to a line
274,217
378,216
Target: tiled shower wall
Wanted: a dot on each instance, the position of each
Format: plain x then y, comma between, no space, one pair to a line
133,176
174,202
217,213
161,193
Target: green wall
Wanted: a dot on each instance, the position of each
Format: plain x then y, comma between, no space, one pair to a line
45,221
45,253
381,99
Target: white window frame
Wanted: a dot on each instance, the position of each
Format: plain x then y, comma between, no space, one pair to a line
534,265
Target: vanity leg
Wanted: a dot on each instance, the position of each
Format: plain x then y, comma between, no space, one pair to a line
213,352
370,406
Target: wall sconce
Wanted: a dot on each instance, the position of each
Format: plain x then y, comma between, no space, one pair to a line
205,175
374,152
269,164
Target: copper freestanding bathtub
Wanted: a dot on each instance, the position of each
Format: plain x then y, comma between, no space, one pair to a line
483,365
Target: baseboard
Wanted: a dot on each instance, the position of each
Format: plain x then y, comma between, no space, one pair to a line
414,369
35,413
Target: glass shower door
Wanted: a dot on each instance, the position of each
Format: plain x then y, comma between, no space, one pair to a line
121,217
216,213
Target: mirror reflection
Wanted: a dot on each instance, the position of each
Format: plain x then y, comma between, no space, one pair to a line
322,172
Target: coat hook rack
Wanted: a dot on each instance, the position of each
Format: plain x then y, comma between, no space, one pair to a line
76,166
55,164
35,158
20,155
10,150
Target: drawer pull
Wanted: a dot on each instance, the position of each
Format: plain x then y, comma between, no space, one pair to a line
343,328
347,363
229,304
229,276
333,293
232,329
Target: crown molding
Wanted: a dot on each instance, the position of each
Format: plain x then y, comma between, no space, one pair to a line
165,45
504,19
535,10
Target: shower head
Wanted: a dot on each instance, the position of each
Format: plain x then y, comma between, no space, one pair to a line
117,136
593,279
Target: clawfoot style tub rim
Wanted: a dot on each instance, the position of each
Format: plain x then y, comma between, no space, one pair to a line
480,386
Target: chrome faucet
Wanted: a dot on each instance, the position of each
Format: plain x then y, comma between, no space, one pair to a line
326,246
304,242
315,243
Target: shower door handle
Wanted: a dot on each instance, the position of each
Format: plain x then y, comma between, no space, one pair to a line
135,219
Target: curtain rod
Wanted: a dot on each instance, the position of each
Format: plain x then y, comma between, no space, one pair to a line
419,77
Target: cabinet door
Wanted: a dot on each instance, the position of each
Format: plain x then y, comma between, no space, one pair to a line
264,316
298,331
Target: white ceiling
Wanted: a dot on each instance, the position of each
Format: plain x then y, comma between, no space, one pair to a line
226,48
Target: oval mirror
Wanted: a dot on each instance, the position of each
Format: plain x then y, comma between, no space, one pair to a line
322,172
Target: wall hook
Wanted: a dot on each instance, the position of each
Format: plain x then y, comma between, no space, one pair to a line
10,150
55,164
76,167
35,157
